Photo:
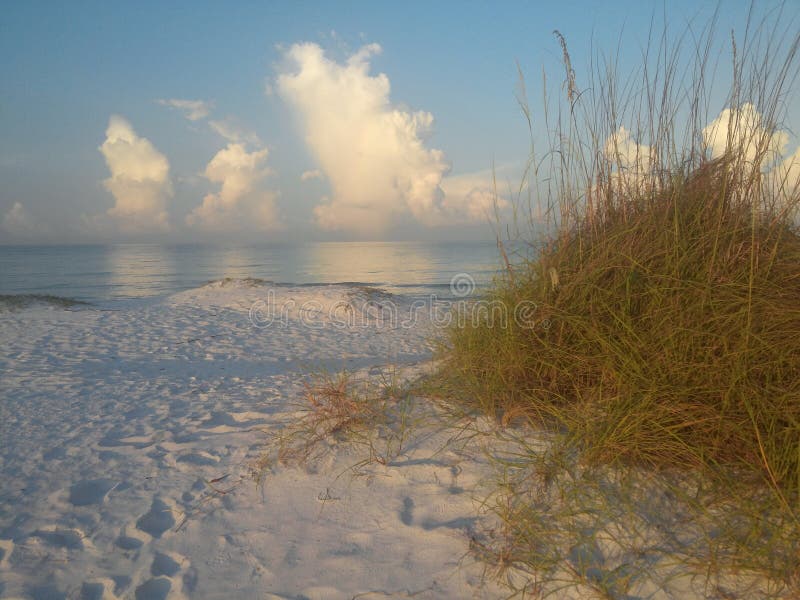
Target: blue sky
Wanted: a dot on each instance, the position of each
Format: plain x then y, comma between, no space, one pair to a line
93,146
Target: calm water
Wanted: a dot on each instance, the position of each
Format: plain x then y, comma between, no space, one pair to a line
101,273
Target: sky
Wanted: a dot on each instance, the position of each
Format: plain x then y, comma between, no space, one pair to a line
287,121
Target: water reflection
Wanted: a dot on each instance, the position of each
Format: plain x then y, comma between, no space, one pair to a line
138,270
367,263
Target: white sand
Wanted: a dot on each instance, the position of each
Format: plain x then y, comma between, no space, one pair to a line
111,420
116,423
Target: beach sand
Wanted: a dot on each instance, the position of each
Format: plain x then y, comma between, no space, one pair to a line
121,428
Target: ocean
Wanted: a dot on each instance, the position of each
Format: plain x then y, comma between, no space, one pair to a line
99,274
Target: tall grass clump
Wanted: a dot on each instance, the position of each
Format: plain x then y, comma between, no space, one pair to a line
661,321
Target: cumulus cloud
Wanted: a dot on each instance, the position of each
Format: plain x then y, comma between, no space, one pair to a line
789,170
628,155
736,130
633,162
139,179
472,197
240,202
313,174
372,153
743,129
194,110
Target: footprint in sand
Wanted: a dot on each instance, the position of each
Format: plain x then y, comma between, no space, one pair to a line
164,564
157,588
92,491
157,520
130,541
407,513
165,569
98,589
71,539
199,458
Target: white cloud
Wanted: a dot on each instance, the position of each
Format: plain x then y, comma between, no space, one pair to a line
229,130
743,130
633,162
472,197
18,222
139,178
313,174
783,181
622,150
372,153
789,170
194,110
240,203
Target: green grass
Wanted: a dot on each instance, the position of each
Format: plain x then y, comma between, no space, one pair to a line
665,340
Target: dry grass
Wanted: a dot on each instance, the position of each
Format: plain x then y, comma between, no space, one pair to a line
371,412
664,352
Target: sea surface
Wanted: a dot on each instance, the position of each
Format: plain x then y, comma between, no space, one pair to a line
102,274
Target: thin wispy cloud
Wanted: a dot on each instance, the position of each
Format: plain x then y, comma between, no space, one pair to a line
241,203
312,174
139,180
194,110
232,132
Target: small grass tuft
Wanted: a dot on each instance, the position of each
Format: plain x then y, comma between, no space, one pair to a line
345,408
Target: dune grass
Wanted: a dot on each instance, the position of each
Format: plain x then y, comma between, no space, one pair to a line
372,412
660,336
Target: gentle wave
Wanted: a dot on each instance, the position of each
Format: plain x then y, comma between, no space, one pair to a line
236,282
254,282
368,289
14,302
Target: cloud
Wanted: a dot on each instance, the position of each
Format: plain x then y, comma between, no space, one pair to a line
198,110
372,153
314,174
139,179
742,129
18,222
783,180
194,110
634,163
472,197
228,129
628,155
762,146
239,203
789,170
